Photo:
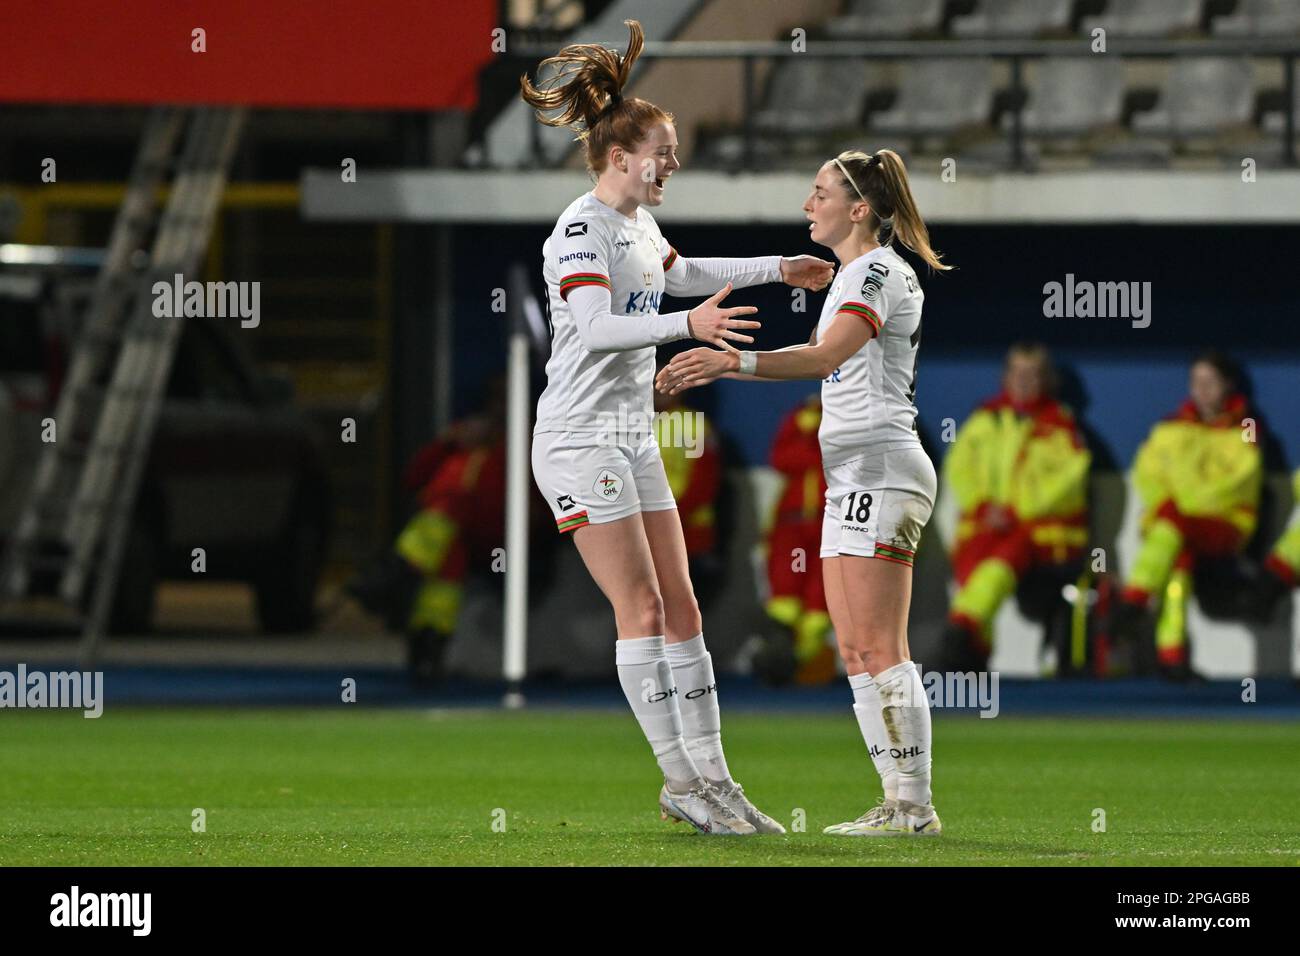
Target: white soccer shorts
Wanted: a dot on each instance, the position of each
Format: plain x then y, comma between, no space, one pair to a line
878,504
589,483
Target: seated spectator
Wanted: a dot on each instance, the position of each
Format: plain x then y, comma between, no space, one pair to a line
1019,469
1282,566
459,479
1199,476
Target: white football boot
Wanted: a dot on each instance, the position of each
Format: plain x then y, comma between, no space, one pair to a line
703,809
733,795
883,808
906,819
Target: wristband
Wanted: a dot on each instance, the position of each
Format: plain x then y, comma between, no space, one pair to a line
748,363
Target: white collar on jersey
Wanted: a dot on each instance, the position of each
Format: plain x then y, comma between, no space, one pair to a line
604,210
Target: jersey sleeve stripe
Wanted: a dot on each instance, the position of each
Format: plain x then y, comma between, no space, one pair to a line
569,283
862,310
670,258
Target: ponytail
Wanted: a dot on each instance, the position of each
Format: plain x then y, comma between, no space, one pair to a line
585,94
880,180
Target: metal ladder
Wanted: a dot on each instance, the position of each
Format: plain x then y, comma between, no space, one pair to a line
87,480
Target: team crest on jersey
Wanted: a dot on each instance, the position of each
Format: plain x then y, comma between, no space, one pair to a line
608,485
575,229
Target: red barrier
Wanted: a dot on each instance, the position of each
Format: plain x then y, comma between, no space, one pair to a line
366,54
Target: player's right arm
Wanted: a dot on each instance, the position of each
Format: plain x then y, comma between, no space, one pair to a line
582,254
601,330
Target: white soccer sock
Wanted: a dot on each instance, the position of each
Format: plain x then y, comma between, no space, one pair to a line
647,681
905,712
698,701
866,707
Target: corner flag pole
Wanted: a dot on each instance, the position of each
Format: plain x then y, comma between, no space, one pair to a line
515,635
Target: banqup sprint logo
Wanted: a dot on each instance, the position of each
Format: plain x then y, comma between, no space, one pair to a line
75,690
75,908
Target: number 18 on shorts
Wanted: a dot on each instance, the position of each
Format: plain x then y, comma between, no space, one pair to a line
877,505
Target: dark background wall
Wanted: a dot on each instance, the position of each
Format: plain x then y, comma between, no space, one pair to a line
1233,288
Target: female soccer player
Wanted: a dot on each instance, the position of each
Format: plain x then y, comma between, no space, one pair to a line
595,457
880,483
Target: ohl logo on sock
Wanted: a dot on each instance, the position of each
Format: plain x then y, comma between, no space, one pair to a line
701,691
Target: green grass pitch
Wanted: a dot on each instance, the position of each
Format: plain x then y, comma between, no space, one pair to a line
360,787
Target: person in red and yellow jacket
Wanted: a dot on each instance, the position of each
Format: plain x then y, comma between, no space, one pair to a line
693,465
1198,475
794,574
1282,566
1019,469
460,480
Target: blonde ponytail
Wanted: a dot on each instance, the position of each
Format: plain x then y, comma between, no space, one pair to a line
881,180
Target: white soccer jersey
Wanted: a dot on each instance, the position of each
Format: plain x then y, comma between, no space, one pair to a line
868,399
594,245
601,371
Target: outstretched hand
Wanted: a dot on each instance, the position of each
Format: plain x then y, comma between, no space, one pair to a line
710,322
807,272
694,368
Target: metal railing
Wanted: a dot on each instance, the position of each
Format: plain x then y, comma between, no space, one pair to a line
1286,49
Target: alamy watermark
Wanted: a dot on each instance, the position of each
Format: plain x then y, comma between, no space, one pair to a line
130,910
678,428
963,690
1098,300
213,300
74,690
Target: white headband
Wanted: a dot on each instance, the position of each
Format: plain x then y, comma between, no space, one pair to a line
883,220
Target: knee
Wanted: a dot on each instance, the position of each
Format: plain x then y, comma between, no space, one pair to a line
647,611
685,614
869,649
853,662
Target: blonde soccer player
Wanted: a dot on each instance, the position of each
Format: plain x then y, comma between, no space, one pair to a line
880,482
594,455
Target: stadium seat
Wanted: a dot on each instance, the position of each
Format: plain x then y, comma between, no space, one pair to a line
1258,18
887,19
1014,18
937,97
1274,121
808,95
1202,97
1146,18
1071,96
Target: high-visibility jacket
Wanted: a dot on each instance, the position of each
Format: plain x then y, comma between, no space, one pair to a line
1284,559
468,486
695,476
797,455
1030,460
1205,469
